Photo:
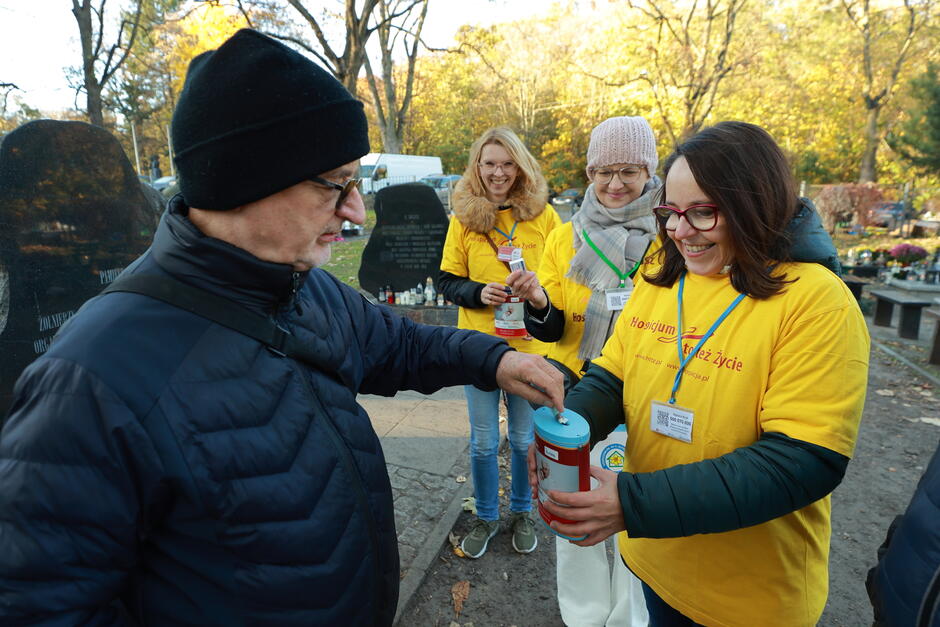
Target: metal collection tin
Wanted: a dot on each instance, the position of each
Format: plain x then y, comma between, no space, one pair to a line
508,318
563,457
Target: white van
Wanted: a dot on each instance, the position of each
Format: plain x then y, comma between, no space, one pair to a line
381,169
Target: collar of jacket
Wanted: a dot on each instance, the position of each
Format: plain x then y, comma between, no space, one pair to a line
474,211
184,251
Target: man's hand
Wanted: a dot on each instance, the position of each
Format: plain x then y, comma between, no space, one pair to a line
532,378
597,513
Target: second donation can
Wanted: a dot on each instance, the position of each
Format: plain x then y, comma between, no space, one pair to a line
563,458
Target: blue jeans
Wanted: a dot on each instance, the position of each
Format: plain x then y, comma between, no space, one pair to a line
662,614
484,443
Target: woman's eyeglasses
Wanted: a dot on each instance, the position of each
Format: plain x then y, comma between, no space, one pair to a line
702,217
344,189
627,174
489,167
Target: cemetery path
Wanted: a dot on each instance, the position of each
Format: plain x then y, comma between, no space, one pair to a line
899,432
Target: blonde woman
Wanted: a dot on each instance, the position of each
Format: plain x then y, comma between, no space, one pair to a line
500,213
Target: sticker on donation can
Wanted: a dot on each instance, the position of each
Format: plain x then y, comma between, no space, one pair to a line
508,318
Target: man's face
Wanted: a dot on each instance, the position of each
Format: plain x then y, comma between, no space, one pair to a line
298,225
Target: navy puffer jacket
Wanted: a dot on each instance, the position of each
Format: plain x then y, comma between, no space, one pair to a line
161,469
905,584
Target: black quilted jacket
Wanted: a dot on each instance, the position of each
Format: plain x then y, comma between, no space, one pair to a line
157,468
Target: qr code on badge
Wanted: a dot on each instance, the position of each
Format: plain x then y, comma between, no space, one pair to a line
662,419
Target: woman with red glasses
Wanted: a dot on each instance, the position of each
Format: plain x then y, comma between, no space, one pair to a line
741,376
588,262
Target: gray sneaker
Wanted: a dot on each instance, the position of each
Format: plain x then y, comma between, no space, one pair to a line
474,543
524,539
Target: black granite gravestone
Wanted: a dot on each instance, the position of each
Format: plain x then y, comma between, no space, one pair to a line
72,215
405,245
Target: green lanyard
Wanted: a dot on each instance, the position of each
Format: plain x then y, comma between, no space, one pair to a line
620,275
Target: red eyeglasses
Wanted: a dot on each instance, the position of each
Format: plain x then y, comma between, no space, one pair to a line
701,217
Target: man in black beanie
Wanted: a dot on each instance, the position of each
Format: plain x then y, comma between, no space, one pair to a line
190,451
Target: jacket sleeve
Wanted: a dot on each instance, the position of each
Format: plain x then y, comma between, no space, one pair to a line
461,290
547,325
774,476
74,462
810,242
399,354
598,397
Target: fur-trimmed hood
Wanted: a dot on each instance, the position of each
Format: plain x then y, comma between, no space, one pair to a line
474,211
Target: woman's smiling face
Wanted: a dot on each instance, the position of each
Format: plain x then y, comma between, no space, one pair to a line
498,172
705,252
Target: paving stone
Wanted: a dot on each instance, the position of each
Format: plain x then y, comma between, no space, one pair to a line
413,536
433,510
409,473
398,482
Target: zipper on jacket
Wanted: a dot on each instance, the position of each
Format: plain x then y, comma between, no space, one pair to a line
346,459
295,283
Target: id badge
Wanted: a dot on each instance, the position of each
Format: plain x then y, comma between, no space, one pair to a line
671,420
504,253
617,298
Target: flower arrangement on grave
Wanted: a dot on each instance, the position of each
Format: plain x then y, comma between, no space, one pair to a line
906,254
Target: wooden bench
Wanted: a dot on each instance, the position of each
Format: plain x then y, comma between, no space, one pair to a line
934,357
855,285
909,325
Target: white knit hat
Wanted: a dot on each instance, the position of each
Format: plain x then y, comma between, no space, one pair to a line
623,140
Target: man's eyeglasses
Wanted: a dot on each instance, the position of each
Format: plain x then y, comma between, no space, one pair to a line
702,217
488,167
627,174
344,189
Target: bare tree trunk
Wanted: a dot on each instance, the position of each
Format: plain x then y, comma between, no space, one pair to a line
390,114
93,49
879,92
345,67
82,15
867,171
391,142
93,103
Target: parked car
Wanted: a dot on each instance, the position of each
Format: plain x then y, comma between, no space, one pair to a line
886,214
443,184
350,229
570,199
163,182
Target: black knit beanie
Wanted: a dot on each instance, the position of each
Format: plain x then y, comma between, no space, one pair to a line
255,118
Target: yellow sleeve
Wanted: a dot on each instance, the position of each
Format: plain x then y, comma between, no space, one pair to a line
612,356
454,255
549,274
818,376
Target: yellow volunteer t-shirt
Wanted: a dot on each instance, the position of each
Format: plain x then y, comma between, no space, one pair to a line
571,296
468,254
795,364
565,294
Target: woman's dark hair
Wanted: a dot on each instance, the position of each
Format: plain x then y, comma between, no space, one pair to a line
743,171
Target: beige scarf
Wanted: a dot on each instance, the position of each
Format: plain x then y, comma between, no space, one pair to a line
623,235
